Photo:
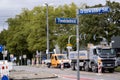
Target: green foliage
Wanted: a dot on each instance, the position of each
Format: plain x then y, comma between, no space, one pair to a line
117,69
105,25
3,36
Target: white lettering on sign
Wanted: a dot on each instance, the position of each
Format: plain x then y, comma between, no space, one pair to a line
66,21
94,10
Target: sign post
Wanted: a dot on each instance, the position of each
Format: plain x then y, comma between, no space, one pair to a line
99,10
77,42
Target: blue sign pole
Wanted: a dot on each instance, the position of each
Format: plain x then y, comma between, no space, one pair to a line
1,48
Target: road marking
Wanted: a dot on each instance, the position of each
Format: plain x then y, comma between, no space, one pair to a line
99,74
73,77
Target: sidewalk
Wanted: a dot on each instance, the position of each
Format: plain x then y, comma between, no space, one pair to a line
28,75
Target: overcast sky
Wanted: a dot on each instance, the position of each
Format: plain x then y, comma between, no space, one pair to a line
10,8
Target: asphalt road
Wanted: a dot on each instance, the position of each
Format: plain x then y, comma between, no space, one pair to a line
68,74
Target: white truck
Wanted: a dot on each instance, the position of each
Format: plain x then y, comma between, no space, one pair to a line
89,59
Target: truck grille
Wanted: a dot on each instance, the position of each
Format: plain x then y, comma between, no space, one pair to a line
108,63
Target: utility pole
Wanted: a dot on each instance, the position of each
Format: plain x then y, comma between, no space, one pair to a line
77,43
47,51
4,53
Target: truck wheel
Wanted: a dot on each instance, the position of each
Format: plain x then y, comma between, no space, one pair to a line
76,66
103,70
86,67
111,70
58,65
94,68
48,65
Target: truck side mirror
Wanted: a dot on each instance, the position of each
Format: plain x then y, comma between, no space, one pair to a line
94,52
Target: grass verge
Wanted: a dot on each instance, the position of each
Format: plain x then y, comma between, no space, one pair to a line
117,69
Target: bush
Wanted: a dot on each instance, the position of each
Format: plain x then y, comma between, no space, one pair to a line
117,69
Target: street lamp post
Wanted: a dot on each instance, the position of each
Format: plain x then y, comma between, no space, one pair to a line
47,51
107,2
70,38
69,46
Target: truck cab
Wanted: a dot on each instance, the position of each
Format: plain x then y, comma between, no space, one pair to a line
93,58
104,56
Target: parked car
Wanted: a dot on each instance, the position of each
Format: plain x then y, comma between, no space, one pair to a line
46,61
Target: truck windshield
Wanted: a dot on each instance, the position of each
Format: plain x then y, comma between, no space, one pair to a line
106,51
61,57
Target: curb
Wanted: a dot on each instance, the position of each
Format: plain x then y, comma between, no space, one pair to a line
26,75
25,78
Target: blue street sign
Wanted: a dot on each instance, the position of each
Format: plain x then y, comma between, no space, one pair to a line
66,21
94,10
1,48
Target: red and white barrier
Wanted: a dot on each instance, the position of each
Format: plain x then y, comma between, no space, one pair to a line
4,68
99,68
62,65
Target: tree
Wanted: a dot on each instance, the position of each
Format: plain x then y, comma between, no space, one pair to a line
105,25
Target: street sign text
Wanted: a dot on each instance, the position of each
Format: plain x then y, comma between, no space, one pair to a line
66,21
94,10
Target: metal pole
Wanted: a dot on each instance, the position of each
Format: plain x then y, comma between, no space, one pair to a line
106,32
47,30
69,43
107,2
77,41
4,53
21,58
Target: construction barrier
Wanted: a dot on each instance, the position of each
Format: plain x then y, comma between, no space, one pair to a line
4,68
10,64
99,68
62,65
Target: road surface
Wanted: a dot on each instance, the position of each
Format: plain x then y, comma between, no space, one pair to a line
68,74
